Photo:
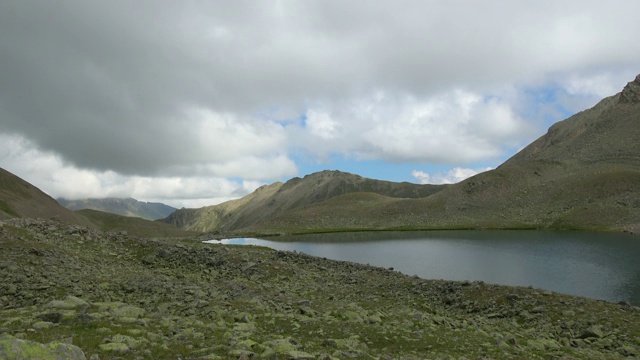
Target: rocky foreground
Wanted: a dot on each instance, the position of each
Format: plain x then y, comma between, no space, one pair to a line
67,292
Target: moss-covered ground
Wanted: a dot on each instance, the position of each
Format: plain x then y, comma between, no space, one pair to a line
120,297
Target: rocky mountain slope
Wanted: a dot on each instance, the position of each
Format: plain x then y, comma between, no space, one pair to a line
119,206
607,133
272,200
583,174
68,292
19,198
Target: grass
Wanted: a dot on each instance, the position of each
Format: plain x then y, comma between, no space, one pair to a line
134,226
4,207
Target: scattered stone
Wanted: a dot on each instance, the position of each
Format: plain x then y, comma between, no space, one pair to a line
535,345
42,325
128,311
628,350
591,332
114,347
192,301
12,289
537,309
513,297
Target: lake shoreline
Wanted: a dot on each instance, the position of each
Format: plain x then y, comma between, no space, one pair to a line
579,263
635,231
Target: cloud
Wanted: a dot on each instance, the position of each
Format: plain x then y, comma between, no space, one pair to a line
49,172
450,177
320,124
455,127
195,89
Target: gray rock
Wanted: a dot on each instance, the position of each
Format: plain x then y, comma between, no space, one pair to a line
592,332
12,289
114,347
12,348
631,92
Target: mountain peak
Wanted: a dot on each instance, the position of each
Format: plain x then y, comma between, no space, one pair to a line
631,92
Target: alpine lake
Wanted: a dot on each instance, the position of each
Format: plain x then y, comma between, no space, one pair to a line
597,265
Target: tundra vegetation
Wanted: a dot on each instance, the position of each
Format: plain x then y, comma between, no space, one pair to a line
72,292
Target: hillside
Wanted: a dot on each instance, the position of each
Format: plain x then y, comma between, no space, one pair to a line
584,173
19,198
607,133
119,206
270,201
134,226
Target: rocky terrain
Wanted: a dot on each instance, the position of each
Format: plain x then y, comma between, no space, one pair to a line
69,292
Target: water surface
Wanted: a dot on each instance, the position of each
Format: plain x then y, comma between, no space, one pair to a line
597,265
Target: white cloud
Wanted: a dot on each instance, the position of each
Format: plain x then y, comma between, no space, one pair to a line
110,92
452,176
455,127
49,173
320,124
598,85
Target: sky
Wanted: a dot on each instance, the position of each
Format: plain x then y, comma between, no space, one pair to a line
192,103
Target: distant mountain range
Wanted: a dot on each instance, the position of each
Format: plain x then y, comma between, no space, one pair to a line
120,206
583,174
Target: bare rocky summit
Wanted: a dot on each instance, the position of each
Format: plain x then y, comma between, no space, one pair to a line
631,93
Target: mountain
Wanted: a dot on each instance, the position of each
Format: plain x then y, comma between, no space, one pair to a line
124,207
584,173
270,201
134,226
19,198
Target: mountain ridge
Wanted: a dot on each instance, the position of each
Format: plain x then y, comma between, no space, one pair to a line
584,173
271,200
121,206
19,198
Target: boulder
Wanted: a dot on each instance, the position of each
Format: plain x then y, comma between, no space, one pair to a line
17,349
592,332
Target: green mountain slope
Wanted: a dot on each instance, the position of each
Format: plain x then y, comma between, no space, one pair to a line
270,201
134,226
119,206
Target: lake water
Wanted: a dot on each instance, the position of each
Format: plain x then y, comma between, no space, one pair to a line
596,265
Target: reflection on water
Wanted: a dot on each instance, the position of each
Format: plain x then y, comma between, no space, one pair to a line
597,265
